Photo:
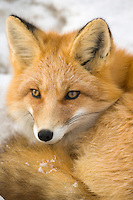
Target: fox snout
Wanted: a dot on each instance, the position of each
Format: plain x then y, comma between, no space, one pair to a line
45,135
49,135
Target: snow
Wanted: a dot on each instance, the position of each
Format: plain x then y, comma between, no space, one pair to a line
27,164
75,184
61,16
1,198
48,165
40,170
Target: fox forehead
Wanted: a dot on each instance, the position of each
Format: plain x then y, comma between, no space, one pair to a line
55,73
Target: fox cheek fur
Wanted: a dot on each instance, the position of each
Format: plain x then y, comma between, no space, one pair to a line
56,88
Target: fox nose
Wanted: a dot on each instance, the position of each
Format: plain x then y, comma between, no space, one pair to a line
45,135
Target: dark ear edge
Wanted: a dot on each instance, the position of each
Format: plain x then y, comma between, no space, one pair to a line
92,21
93,43
22,39
28,25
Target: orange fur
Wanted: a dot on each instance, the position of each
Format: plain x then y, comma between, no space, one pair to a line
100,160
105,165
38,172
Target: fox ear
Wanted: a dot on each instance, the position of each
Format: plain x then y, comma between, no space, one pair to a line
24,47
92,44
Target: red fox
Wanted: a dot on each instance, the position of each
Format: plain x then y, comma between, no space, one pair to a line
73,91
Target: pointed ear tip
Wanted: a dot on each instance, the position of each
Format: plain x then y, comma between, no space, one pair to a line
98,23
12,18
101,21
9,19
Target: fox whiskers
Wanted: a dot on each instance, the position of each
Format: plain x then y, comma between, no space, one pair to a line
77,117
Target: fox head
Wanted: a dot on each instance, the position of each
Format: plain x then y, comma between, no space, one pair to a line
61,83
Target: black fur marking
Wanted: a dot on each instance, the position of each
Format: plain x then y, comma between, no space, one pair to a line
93,50
27,24
84,63
78,57
82,29
100,40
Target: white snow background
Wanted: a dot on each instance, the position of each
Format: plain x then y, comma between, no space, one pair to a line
61,16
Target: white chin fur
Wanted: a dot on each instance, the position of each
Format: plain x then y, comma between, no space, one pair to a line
58,135
35,130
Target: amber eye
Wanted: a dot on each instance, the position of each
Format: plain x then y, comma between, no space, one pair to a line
35,93
72,95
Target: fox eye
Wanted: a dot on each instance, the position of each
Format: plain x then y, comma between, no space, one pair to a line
35,93
72,95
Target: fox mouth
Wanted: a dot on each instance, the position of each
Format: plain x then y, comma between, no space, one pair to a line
79,123
70,129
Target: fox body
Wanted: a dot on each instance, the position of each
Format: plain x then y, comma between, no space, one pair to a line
73,91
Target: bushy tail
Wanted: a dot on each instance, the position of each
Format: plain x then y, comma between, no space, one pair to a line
38,172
